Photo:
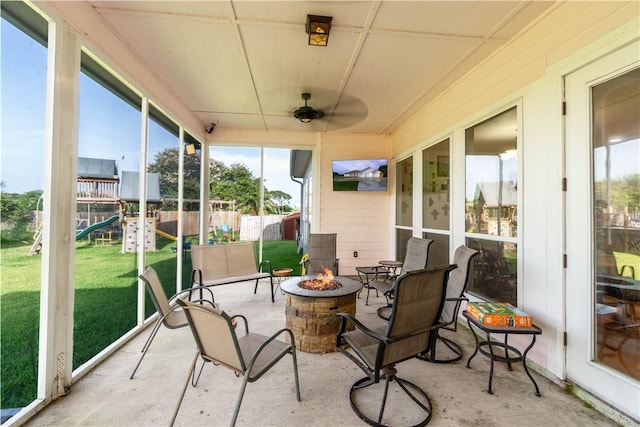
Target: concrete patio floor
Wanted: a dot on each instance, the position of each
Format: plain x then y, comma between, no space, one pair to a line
107,397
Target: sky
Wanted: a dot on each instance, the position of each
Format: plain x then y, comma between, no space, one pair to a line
276,167
108,127
23,90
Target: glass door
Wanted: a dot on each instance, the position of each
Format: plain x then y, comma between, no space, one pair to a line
603,246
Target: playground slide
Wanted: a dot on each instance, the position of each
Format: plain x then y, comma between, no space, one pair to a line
166,235
95,226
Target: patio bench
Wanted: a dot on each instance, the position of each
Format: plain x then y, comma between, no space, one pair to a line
215,265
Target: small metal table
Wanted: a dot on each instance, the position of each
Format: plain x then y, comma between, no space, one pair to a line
366,276
279,274
391,267
517,356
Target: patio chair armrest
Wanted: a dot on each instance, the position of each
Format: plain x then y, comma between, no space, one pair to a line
196,272
273,337
244,320
194,289
348,317
256,353
173,307
630,267
263,263
463,298
304,259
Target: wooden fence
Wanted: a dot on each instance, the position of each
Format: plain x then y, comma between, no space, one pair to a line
248,225
168,222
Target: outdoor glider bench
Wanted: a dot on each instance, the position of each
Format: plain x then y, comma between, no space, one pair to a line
215,265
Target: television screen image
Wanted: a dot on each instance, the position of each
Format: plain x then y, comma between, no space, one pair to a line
360,175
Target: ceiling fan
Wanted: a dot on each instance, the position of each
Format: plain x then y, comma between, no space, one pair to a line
306,114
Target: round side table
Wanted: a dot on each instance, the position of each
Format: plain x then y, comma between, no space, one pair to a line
279,274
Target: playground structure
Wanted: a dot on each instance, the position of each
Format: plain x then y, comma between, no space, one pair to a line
98,182
223,220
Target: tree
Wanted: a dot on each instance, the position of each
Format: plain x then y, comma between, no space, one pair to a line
17,211
236,183
166,166
625,193
280,199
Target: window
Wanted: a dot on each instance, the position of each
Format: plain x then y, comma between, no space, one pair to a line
109,128
24,78
491,205
436,201
404,205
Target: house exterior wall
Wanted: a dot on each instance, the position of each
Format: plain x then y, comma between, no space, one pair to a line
528,73
564,29
360,218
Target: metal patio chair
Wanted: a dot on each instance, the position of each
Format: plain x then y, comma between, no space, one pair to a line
415,311
321,254
456,287
169,314
250,355
415,258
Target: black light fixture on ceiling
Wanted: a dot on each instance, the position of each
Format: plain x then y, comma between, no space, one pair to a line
318,28
306,114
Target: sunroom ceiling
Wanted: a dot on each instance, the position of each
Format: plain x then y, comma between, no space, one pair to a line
245,64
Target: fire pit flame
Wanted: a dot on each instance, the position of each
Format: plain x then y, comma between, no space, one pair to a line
323,282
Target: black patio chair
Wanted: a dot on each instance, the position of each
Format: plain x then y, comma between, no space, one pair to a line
456,287
416,308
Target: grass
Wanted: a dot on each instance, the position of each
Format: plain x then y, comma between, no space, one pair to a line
105,303
345,185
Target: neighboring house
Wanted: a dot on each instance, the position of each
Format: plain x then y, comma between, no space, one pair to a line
364,173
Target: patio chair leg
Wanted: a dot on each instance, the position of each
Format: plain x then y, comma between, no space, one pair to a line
236,410
273,291
146,346
413,392
184,388
295,371
431,354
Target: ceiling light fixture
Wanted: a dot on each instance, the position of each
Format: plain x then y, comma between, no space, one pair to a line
306,114
318,28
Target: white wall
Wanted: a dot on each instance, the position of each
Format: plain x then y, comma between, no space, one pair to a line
519,74
361,219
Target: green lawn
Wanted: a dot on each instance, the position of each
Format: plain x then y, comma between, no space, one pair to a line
105,303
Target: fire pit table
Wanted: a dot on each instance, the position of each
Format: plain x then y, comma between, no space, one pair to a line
311,314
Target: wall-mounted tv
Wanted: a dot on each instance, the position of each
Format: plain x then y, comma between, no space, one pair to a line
360,175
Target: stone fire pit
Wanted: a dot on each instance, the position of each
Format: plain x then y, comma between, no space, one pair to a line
310,314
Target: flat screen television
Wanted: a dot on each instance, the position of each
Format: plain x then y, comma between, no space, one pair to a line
360,175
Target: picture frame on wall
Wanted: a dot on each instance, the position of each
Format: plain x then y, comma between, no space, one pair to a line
443,166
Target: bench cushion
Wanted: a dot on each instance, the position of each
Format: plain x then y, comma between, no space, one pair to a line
241,259
220,264
211,260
